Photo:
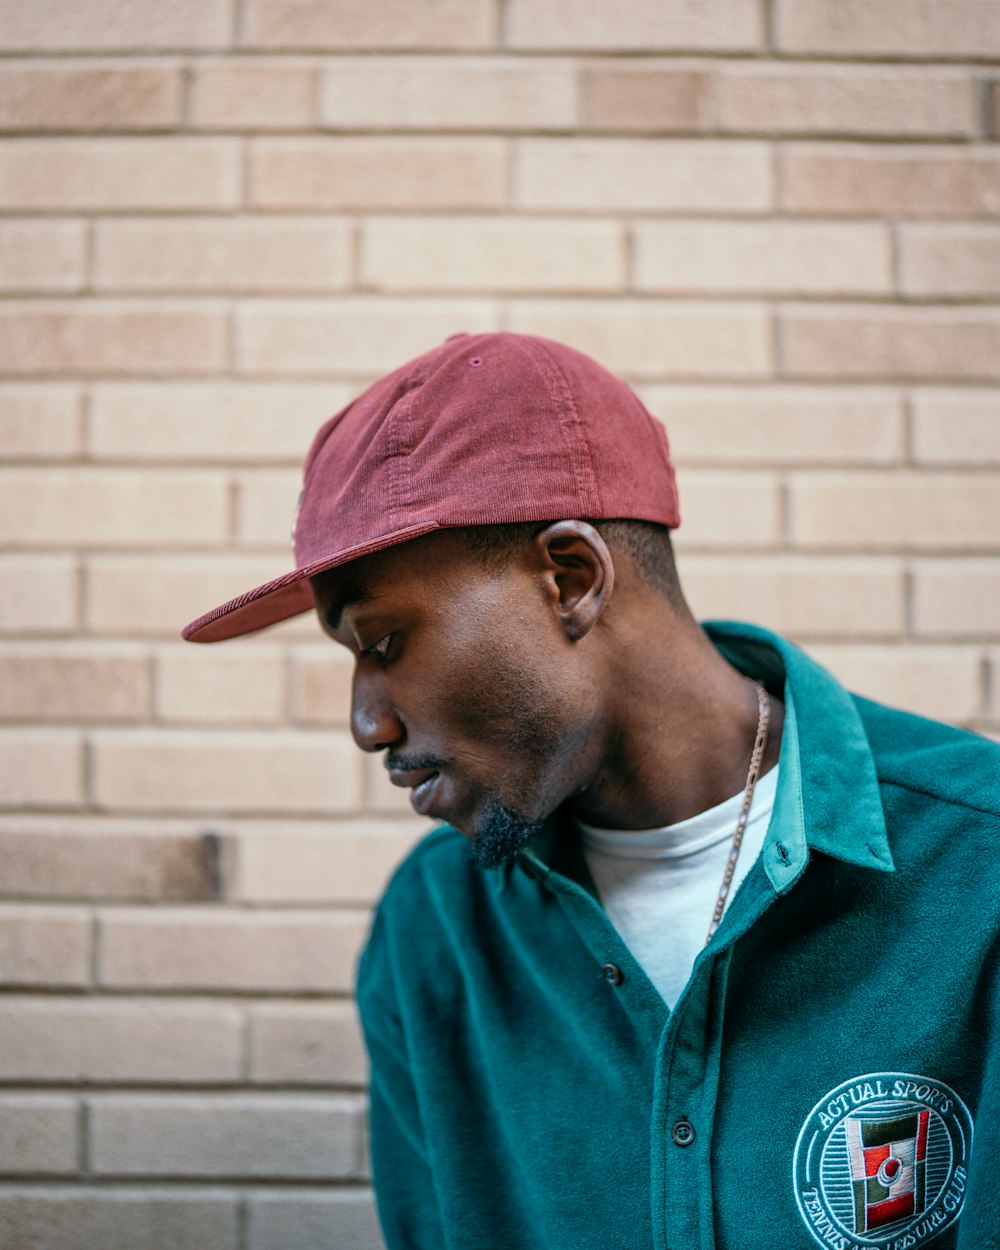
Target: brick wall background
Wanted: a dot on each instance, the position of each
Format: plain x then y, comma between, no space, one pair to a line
779,218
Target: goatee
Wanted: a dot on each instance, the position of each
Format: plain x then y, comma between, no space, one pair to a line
500,835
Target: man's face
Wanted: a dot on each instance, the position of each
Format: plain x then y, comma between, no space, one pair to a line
464,677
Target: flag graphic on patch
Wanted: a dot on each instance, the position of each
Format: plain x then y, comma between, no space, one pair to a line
888,1168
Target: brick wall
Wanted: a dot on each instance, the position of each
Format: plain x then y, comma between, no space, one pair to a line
780,220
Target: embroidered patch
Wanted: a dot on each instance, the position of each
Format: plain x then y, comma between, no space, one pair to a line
881,1162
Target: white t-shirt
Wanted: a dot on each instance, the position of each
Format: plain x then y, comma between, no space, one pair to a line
659,886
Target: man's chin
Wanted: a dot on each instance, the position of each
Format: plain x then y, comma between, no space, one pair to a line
499,834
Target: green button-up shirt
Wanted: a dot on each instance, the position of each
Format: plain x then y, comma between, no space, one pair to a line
818,1079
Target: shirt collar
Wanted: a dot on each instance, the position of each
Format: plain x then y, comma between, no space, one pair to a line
828,793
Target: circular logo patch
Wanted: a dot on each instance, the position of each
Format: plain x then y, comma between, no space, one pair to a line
882,1161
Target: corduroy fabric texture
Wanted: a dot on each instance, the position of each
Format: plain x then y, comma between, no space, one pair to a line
486,429
522,1098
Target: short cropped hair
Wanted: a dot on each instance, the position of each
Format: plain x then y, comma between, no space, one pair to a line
646,543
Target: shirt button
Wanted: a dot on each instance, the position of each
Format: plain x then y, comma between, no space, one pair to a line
613,974
682,1133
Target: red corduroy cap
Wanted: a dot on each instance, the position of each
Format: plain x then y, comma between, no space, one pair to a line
485,429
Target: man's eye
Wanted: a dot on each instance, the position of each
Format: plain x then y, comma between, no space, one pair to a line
379,649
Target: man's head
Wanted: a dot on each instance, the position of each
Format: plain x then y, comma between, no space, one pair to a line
440,535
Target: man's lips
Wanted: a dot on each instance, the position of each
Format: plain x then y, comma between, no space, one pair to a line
422,783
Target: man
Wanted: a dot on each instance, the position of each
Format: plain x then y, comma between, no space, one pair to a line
706,955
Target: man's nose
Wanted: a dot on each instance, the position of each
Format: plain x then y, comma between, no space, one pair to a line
375,723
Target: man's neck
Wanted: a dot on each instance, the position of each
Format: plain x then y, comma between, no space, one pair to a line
681,731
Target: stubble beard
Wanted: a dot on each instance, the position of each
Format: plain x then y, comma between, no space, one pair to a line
501,834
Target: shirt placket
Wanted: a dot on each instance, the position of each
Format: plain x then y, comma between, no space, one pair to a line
687,1078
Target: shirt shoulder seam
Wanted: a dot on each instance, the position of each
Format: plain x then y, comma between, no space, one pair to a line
951,800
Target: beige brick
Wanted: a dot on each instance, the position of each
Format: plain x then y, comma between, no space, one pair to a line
167,254
158,595
239,772
39,1134
249,95
40,422
67,25
992,110
779,425
69,1217
378,172
50,95
197,685
517,254
909,181
803,596
348,864
349,336
265,1135
44,946
266,501
761,257
657,338
871,342
306,1044
942,682
321,684
40,768
335,25
42,255
224,422
727,25
38,594
262,951
897,28
51,336
112,507
109,1041
895,511
956,598
46,681
650,175
119,174
87,858
308,1219
949,260
407,93
844,100
956,426
633,95
730,509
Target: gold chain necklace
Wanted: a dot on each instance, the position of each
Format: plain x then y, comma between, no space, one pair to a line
756,759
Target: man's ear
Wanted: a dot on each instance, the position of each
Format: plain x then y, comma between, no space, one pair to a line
580,573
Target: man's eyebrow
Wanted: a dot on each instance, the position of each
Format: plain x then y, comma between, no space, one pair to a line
349,597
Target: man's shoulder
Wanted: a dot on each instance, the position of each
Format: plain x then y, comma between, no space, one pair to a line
437,908
928,757
437,871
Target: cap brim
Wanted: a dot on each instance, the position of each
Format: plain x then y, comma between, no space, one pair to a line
288,595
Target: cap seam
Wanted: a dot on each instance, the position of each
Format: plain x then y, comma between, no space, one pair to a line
578,446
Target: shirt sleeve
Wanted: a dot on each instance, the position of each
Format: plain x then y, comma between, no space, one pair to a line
404,1186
